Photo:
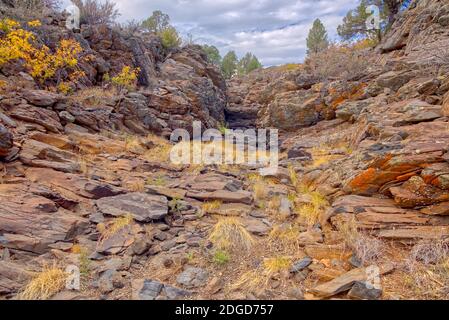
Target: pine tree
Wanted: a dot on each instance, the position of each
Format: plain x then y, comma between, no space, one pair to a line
317,40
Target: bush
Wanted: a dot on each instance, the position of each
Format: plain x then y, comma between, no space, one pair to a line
95,12
343,62
19,44
127,78
170,38
26,9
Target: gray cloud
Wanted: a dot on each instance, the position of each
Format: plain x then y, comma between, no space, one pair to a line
274,30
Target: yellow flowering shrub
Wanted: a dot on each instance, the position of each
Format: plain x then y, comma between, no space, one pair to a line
64,88
41,62
34,24
127,78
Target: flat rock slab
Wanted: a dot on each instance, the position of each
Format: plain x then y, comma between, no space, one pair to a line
193,277
44,117
143,289
38,154
346,281
144,207
32,223
222,195
387,220
13,277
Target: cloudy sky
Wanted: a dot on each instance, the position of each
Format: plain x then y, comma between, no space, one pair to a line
274,30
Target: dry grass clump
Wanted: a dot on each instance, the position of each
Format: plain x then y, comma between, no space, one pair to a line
230,235
260,278
44,285
427,269
211,206
114,227
136,185
278,264
310,213
367,249
93,97
285,237
260,191
161,150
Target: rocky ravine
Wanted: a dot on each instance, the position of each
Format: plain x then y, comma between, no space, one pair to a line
373,151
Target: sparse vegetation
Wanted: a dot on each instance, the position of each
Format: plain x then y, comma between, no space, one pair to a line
211,206
116,225
367,249
94,12
427,270
44,285
126,79
338,61
19,44
230,235
221,257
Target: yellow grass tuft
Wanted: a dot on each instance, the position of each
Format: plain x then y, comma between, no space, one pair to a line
161,150
44,285
136,186
274,265
211,206
287,237
116,225
230,235
260,191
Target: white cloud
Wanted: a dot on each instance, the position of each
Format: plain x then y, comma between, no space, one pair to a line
274,30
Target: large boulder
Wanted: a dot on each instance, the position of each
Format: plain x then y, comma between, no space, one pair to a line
143,207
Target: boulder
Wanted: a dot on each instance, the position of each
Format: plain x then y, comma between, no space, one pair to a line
42,155
47,118
32,223
144,207
41,98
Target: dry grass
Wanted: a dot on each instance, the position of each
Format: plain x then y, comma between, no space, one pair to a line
136,185
161,150
44,285
278,264
367,249
258,279
310,213
260,191
286,238
93,97
114,227
211,206
230,235
339,62
427,270
133,144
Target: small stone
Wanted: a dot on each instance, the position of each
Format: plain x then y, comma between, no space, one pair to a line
167,245
296,293
301,265
168,263
193,277
361,291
